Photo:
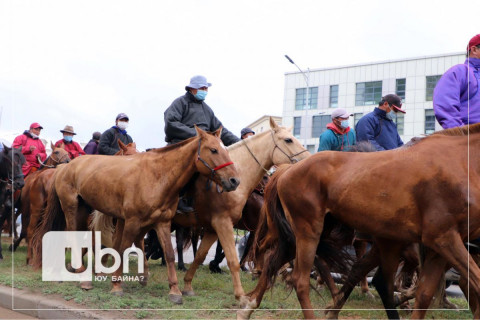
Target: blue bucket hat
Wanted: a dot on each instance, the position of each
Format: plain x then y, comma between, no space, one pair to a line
197,82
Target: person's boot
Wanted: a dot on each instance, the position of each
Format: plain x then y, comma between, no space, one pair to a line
184,206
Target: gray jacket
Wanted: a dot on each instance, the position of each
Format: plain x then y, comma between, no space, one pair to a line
186,111
108,141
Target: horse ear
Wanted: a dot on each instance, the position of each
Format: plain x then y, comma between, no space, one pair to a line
62,146
199,131
121,145
7,149
273,124
52,145
289,129
218,133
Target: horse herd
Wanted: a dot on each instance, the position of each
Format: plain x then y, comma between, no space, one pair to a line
424,193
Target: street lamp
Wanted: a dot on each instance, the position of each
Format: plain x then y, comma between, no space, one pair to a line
306,77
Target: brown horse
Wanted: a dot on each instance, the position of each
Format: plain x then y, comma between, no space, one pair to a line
415,194
33,197
141,189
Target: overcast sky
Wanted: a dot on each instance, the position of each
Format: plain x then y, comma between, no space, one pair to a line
82,62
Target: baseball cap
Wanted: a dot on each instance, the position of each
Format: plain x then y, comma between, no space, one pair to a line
475,41
121,116
393,100
340,112
35,125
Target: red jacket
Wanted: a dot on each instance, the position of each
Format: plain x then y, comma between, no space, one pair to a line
73,148
26,141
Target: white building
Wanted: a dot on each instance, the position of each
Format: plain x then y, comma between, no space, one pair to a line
358,88
263,123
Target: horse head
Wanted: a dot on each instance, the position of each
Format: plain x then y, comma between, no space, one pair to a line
287,148
126,149
213,160
11,169
59,155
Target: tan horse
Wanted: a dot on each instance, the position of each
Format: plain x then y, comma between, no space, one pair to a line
417,194
141,189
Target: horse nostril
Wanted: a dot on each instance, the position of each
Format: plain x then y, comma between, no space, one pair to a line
234,181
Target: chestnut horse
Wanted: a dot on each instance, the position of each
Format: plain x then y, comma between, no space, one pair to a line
416,194
141,189
32,200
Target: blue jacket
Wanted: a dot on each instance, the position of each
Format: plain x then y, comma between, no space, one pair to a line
379,130
336,141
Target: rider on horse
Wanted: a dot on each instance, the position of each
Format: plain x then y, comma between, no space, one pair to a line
32,148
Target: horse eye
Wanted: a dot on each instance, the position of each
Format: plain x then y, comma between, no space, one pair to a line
213,150
56,152
288,140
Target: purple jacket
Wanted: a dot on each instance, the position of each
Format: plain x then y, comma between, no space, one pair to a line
450,98
91,147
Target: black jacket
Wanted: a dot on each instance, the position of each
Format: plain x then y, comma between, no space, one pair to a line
186,111
108,141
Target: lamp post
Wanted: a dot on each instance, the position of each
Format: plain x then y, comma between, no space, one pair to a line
306,77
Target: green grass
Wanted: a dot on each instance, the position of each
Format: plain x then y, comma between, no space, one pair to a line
214,295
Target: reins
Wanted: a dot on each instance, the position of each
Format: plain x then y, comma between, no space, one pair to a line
53,159
212,170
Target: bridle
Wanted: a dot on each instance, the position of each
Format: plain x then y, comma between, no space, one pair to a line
53,159
291,158
212,170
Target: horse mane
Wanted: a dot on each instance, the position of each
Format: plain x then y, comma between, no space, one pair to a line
172,146
239,144
459,131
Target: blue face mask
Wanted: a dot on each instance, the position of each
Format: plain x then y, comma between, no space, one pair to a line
201,94
391,115
68,138
344,124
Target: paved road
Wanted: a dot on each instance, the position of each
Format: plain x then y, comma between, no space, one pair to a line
9,314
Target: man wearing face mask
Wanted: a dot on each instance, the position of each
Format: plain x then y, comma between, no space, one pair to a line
73,148
108,144
338,136
188,110
378,127
32,148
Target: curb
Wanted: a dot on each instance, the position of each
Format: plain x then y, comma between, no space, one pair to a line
39,306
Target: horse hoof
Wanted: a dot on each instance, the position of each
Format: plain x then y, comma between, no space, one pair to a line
188,293
86,285
175,298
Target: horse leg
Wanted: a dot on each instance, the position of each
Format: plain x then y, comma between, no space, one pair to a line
430,275
472,298
324,272
306,249
214,265
179,237
360,250
131,231
358,271
163,232
208,239
224,229
139,243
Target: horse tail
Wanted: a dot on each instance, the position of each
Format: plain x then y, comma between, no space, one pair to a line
103,223
278,237
53,220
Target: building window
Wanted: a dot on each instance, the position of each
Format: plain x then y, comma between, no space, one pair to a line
301,98
399,121
297,124
334,96
431,83
319,125
356,117
368,93
429,121
400,88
